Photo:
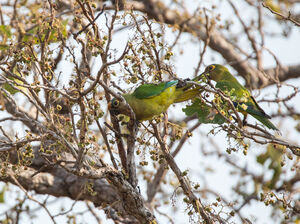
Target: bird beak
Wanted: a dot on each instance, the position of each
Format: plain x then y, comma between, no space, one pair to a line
204,73
112,110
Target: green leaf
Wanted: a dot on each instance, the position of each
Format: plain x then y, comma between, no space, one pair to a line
2,195
5,30
10,89
9,86
274,156
31,35
39,33
262,158
204,113
64,30
4,47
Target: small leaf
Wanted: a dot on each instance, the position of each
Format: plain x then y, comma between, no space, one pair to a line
9,86
2,195
3,47
205,113
64,30
10,89
274,156
5,30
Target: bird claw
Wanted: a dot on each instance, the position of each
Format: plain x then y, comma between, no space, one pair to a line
133,124
244,122
182,83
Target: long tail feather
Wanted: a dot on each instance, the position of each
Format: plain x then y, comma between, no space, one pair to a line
266,122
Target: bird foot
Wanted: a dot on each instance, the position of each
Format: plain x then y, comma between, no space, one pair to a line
244,122
133,125
182,83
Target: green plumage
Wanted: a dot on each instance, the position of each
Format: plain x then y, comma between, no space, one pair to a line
242,99
150,90
149,100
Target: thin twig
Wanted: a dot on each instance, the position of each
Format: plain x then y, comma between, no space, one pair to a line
280,15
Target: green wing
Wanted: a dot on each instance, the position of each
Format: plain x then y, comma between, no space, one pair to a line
252,106
150,90
228,85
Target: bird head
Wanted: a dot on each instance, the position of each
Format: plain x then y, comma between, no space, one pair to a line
117,107
214,72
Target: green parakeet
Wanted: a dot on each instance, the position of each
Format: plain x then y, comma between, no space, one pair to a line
242,99
149,100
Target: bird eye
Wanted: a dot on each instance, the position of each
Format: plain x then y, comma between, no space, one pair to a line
211,67
115,103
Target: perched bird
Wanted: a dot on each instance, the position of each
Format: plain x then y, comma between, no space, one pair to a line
242,99
149,100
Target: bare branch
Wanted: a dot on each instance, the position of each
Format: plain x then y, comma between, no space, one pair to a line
289,17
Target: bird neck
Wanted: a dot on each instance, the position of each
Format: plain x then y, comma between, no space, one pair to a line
128,97
228,77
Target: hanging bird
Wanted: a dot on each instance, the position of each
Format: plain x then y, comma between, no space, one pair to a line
149,100
245,103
